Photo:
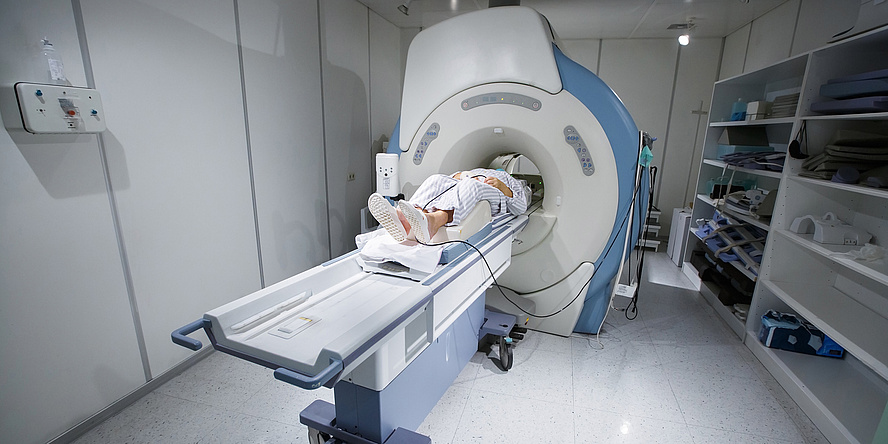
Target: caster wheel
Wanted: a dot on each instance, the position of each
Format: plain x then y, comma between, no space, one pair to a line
317,437
505,354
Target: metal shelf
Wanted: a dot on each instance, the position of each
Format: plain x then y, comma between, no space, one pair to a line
861,116
876,270
760,122
857,189
821,311
839,395
763,173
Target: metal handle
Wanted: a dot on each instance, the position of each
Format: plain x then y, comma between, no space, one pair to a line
180,336
309,382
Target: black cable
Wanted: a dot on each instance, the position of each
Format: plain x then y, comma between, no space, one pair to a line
625,218
643,234
450,188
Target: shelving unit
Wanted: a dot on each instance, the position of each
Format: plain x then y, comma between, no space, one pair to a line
780,79
845,298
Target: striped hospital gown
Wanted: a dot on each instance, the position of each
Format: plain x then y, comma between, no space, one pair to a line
440,192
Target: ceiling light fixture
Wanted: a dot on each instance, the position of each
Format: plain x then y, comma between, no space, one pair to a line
685,38
405,7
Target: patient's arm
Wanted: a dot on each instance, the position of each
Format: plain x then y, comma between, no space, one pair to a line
498,184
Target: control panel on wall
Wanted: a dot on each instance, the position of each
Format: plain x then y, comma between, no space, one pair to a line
54,109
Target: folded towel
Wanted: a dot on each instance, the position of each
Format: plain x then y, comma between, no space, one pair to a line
378,246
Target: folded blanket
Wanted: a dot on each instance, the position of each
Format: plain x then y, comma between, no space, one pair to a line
378,246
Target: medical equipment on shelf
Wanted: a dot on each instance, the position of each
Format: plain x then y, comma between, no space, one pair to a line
481,88
830,230
732,241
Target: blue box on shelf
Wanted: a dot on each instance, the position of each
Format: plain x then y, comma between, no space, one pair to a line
788,332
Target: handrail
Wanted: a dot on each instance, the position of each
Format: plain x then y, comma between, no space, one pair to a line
180,336
309,382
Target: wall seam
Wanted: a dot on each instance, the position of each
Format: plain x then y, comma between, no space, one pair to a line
248,138
692,180
668,122
324,130
370,101
598,62
795,28
746,51
112,199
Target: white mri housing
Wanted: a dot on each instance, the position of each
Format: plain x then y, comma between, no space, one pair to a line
489,83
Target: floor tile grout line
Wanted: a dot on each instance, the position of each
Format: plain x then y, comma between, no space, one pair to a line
678,403
461,415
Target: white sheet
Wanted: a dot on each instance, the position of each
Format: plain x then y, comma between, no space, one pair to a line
378,246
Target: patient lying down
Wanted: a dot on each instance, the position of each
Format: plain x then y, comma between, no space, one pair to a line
445,200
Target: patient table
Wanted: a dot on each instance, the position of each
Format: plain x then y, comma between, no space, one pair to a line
388,346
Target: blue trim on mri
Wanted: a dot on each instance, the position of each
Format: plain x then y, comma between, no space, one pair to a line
394,146
622,133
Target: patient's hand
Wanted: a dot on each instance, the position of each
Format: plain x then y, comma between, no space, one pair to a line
498,184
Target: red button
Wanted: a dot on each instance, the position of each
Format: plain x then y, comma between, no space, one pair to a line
71,112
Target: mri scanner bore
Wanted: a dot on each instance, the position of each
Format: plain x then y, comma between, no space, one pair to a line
489,89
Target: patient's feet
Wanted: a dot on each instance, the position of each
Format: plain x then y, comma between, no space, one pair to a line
387,216
418,221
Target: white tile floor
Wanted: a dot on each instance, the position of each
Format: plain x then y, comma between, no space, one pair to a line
676,374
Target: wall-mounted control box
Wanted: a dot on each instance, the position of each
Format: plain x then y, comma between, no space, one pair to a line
55,109
387,183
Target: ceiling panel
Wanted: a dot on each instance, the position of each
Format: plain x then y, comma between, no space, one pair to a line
597,19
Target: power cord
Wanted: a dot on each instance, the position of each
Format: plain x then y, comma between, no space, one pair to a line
613,241
448,189
639,254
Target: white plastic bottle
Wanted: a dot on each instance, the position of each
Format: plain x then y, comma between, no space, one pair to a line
53,63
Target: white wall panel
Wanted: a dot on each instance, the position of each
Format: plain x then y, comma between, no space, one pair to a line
697,71
641,72
170,82
734,54
819,20
770,39
283,87
584,52
67,339
346,78
385,77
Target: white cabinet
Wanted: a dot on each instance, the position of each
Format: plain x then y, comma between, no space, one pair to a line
847,299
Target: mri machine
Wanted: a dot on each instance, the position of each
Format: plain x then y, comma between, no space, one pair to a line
490,87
